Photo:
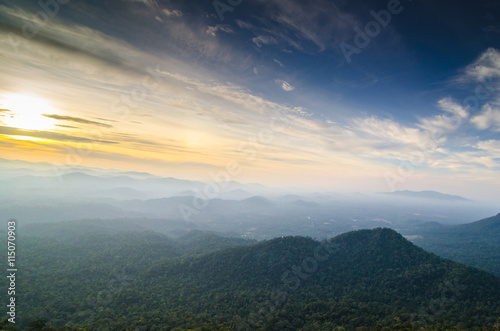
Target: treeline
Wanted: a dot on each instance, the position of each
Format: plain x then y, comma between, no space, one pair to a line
364,280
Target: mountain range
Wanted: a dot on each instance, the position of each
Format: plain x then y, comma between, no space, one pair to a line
431,195
125,278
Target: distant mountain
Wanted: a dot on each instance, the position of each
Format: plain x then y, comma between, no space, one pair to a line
119,193
236,194
488,229
476,244
426,195
186,193
138,175
304,204
485,230
290,198
257,201
84,182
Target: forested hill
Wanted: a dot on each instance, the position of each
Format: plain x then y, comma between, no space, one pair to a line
363,278
476,243
359,279
487,230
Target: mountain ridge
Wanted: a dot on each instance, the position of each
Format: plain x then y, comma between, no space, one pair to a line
428,194
360,278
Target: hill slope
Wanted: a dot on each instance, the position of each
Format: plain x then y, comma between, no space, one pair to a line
476,244
358,279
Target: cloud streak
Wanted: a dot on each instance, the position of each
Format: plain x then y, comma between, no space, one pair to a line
183,88
10,131
488,118
77,120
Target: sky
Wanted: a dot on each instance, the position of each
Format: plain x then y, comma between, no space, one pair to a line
333,95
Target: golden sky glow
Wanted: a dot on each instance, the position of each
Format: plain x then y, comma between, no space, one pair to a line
177,98
26,112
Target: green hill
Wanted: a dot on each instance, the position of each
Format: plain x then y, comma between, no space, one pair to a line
365,279
476,244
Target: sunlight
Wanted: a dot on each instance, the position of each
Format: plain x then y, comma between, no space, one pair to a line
27,138
26,112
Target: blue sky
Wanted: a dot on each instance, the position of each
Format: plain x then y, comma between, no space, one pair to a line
183,88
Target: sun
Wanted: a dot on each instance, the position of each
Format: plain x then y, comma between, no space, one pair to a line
27,112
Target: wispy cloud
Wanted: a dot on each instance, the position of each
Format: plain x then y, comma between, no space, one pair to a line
278,62
10,131
488,118
66,126
263,40
486,71
439,126
212,30
486,66
284,85
244,25
312,26
77,120
173,12
492,146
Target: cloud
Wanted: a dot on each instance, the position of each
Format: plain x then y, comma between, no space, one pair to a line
244,25
488,118
491,146
308,26
77,120
212,30
172,13
79,43
10,131
388,132
485,70
66,126
106,120
464,161
238,95
284,85
450,106
263,40
389,139
150,3
96,69
441,125
279,63
486,66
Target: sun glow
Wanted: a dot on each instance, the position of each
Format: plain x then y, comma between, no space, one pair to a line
26,112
